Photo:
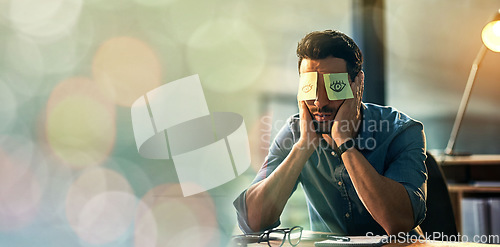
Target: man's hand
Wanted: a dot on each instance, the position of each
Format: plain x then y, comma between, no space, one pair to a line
348,116
266,199
393,211
309,139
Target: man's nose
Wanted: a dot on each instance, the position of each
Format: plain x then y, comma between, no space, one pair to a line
321,98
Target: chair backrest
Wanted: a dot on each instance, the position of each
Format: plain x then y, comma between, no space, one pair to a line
439,217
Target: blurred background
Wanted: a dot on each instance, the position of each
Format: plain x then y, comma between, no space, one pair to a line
70,173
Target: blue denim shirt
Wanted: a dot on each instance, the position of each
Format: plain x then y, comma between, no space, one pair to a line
392,142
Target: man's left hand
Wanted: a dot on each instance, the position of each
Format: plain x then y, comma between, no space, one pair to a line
348,116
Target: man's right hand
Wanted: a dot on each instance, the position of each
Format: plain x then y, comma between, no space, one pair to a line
309,139
266,199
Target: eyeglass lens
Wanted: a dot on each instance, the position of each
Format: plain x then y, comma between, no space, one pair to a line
295,235
278,237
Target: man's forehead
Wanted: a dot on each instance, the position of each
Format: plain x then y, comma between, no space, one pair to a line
326,65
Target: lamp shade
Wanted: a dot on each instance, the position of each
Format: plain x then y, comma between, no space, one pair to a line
491,34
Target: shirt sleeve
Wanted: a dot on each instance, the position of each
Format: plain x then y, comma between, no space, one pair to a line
279,150
407,166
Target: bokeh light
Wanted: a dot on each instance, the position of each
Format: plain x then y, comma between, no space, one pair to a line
20,192
28,55
173,220
228,55
181,25
126,68
145,227
279,15
398,45
48,19
100,205
106,217
80,125
170,50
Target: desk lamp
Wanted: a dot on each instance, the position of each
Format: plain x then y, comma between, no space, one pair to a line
491,40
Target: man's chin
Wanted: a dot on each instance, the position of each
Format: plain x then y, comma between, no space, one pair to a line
323,127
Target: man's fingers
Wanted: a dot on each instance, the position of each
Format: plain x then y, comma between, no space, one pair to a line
304,112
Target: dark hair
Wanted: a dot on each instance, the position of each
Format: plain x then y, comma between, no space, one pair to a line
322,44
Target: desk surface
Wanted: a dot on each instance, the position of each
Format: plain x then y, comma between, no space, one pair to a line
310,243
475,159
472,189
309,238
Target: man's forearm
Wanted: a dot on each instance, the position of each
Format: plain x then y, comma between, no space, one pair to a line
385,199
265,200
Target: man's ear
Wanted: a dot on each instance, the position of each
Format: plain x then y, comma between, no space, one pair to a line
360,78
360,83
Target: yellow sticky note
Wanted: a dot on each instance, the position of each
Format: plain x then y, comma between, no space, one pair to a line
337,86
307,86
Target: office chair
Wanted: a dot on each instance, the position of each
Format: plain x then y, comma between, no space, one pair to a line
439,217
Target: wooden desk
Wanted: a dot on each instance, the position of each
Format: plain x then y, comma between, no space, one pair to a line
475,159
463,172
309,239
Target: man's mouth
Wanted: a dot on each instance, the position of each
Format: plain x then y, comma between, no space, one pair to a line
321,117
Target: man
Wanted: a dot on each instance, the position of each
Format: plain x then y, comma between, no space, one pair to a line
366,173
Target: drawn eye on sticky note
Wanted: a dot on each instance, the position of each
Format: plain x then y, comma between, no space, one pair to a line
337,86
307,86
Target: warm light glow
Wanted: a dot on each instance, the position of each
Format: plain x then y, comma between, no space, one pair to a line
496,28
100,205
126,68
491,36
170,219
105,217
80,124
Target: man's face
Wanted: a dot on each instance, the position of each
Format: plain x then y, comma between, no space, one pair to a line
322,109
